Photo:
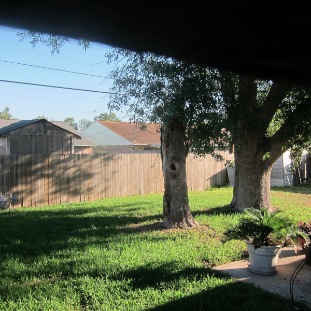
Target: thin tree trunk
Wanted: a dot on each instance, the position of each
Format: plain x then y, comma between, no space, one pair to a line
236,180
176,210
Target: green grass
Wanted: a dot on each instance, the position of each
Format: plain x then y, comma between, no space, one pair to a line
112,255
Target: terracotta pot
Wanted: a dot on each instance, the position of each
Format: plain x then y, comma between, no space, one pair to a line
301,241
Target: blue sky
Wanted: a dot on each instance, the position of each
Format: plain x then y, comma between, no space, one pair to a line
28,102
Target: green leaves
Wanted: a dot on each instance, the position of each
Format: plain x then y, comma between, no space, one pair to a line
105,116
159,89
5,114
262,227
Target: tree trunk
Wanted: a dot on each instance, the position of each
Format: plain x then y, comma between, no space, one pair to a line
176,210
252,178
255,149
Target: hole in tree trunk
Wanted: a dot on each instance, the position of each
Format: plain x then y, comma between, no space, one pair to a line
173,167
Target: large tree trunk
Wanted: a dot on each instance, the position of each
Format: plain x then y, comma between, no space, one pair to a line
252,179
254,150
176,210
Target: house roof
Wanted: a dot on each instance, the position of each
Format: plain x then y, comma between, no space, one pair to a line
7,126
132,133
15,125
4,122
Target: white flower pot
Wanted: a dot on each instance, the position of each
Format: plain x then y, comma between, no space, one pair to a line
263,260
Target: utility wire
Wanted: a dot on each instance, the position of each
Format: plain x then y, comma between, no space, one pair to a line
59,87
55,69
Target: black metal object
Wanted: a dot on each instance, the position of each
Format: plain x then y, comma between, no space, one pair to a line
7,200
292,280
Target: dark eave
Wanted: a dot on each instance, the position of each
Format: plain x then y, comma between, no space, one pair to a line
264,40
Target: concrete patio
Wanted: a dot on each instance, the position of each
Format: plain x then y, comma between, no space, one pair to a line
278,283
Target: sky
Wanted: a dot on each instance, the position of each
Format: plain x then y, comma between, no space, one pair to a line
21,62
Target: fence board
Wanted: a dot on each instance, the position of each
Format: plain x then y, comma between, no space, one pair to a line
52,179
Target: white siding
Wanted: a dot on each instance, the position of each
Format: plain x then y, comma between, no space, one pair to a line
288,175
281,174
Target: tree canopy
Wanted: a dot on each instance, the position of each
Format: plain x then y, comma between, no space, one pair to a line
105,116
71,121
157,89
181,97
54,42
5,114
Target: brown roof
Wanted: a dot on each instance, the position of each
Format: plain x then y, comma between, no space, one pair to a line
4,122
132,132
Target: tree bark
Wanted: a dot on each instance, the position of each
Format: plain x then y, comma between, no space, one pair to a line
252,179
176,209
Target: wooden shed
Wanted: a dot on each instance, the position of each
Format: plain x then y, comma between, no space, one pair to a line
82,145
37,136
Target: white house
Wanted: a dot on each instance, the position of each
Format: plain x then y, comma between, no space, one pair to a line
281,174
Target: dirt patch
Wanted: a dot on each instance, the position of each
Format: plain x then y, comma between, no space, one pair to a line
158,227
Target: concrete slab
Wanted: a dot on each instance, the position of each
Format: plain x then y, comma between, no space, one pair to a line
278,283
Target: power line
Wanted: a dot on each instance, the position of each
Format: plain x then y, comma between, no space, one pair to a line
55,69
59,87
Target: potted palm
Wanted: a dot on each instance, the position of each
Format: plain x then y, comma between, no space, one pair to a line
265,233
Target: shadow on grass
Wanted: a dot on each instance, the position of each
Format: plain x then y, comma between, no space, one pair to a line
217,296
27,234
147,276
220,292
32,233
233,297
226,209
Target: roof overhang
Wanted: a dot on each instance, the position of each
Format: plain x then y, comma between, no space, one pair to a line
263,40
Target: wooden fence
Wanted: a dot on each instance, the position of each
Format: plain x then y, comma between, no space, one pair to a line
302,173
45,180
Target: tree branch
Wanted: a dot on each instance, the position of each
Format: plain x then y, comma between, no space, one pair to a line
227,86
273,100
298,123
248,92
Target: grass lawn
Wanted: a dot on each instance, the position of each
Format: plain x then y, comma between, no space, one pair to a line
113,255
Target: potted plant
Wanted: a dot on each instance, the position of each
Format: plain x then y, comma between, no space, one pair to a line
304,239
265,233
